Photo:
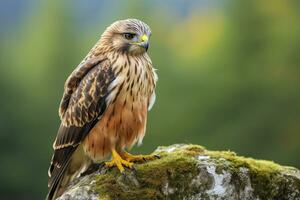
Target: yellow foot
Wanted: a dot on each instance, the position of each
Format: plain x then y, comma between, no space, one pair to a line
118,162
135,158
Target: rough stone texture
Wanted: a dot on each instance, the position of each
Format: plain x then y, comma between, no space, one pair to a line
190,172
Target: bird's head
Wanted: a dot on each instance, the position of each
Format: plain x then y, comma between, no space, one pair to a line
129,36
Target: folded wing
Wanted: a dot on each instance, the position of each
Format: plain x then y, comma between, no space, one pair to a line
82,104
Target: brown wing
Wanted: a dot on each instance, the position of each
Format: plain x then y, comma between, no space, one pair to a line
82,104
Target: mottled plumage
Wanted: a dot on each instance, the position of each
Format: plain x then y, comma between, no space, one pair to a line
104,106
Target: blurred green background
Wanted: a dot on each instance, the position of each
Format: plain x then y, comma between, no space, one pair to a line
229,77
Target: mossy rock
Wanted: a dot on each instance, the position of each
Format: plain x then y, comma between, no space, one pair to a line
190,172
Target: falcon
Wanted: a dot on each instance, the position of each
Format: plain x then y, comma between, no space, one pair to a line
104,106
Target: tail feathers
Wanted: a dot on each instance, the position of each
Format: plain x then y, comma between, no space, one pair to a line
67,141
52,194
57,171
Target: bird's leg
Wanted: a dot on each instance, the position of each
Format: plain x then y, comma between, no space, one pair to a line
135,158
118,161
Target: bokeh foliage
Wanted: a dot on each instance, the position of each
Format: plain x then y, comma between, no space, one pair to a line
229,78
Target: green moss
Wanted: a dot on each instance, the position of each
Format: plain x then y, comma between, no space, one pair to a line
265,175
261,166
176,168
170,177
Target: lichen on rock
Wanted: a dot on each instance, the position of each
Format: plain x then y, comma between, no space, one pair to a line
190,172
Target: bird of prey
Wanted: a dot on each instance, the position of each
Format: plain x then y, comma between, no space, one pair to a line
104,106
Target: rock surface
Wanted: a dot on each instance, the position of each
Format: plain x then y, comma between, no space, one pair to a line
190,172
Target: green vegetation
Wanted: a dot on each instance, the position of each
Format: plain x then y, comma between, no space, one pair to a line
176,176
176,167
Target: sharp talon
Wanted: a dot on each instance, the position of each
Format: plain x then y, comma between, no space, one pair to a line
128,165
122,170
119,162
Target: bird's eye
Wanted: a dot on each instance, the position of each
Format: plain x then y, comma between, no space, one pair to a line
128,36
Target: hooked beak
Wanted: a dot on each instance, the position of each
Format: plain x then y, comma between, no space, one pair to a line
144,42
145,45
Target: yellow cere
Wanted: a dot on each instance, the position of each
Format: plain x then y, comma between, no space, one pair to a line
144,38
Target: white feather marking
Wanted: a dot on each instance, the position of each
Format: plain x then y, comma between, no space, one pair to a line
140,139
112,93
155,75
151,101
